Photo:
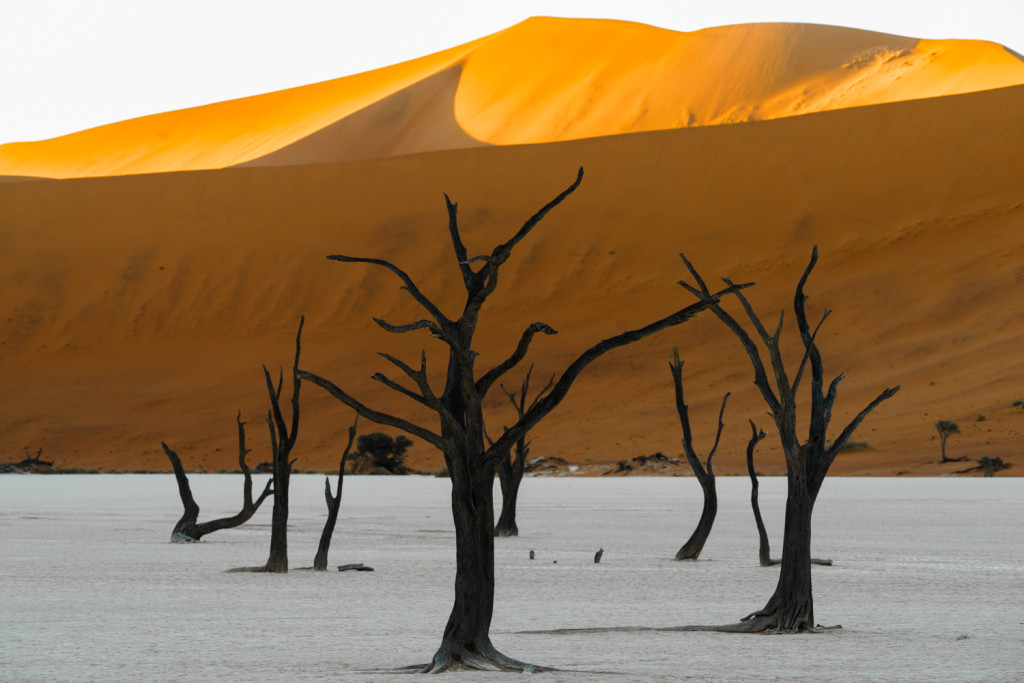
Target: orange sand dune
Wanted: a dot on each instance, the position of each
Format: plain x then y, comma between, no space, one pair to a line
543,80
140,308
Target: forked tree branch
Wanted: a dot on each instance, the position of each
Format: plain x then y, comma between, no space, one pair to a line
485,280
819,472
807,351
285,438
785,389
520,406
420,377
760,375
503,251
247,502
818,421
702,471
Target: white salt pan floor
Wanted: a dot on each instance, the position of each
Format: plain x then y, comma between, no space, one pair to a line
928,582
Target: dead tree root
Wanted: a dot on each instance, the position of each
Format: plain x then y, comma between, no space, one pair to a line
750,624
452,658
773,562
263,569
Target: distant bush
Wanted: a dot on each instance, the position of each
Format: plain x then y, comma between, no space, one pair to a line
855,446
1017,404
382,451
991,465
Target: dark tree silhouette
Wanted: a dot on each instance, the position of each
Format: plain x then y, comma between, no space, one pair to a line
189,528
764,550
466,642
282,440
333,504
706,476
791,607
510,469
946,429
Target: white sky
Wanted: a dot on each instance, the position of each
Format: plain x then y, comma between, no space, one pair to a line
67,65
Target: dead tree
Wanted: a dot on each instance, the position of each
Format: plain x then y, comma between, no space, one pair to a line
282,440
946,428
511,468
706,476
333,504
471,462
188,528
791,607
764,551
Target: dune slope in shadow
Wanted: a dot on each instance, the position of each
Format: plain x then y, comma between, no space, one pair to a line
140,308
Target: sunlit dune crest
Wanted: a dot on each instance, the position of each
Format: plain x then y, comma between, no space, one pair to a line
221,134
542,80
548,79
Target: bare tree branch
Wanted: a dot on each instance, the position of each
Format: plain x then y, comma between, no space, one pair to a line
391,384
807,351
371,414
844,436
333,503
521,407
771,343
561,388
486,279
718,435
503,251
818,404
760,375
418,325
484,384
420,377
460,248
410,286
247,501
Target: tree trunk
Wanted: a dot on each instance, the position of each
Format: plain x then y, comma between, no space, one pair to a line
691,549
184,530
282,441
333,503
278,560
764,549
510,475
466,642
791,607
333,506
